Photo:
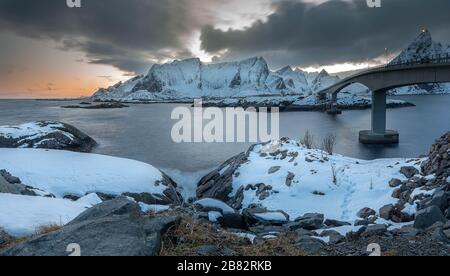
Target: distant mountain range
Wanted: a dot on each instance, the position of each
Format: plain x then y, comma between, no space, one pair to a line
190,78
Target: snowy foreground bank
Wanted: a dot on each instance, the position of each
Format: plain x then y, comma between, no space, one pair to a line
274,183
54,175
284,180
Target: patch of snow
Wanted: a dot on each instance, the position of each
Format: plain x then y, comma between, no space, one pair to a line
214,216
324,239
153,208
23,215
90,200
343,230
410,209
248,236
271,216
269,237
62,173
31,130
419,191
216,204
448,179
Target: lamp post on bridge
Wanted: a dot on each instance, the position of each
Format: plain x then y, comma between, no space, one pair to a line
386,55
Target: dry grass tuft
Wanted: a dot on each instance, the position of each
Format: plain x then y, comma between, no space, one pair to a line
46,229
184,239
42,230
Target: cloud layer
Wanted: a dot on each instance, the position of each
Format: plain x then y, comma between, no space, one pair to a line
126,34
133,34
332,32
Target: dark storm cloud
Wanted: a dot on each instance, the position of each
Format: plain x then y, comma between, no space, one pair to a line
122,33
332,32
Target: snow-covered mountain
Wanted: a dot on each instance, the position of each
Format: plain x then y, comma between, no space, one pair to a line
190,78
322,81
295,80
423,47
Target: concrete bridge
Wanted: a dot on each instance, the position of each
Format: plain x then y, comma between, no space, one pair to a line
381,79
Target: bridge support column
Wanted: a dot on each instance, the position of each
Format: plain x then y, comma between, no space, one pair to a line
379,134
333,108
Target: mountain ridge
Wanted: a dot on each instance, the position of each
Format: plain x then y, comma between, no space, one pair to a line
191,78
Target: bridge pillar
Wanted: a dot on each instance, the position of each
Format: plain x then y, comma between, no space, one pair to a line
333,108
379,112
379,134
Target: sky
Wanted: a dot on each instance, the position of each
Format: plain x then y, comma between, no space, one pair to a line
48,50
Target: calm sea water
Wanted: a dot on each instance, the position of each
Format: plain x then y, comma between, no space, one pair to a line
142,132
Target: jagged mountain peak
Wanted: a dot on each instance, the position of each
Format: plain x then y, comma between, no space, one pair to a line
421,48
284,70
323,73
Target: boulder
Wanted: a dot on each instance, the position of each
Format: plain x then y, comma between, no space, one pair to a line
289,179
427,217
395,183
400,217
274,169
10,178
439,200
46,135
218,183
310,221
112,228
310,245
366,212
374,230
170,195
407,232
409,171
440,236
259,215
336,223
233,220
386,211
12,185
335,237
209,204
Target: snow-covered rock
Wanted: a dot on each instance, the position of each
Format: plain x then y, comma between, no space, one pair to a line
112,228
45,134
64,173
210,204
333,185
